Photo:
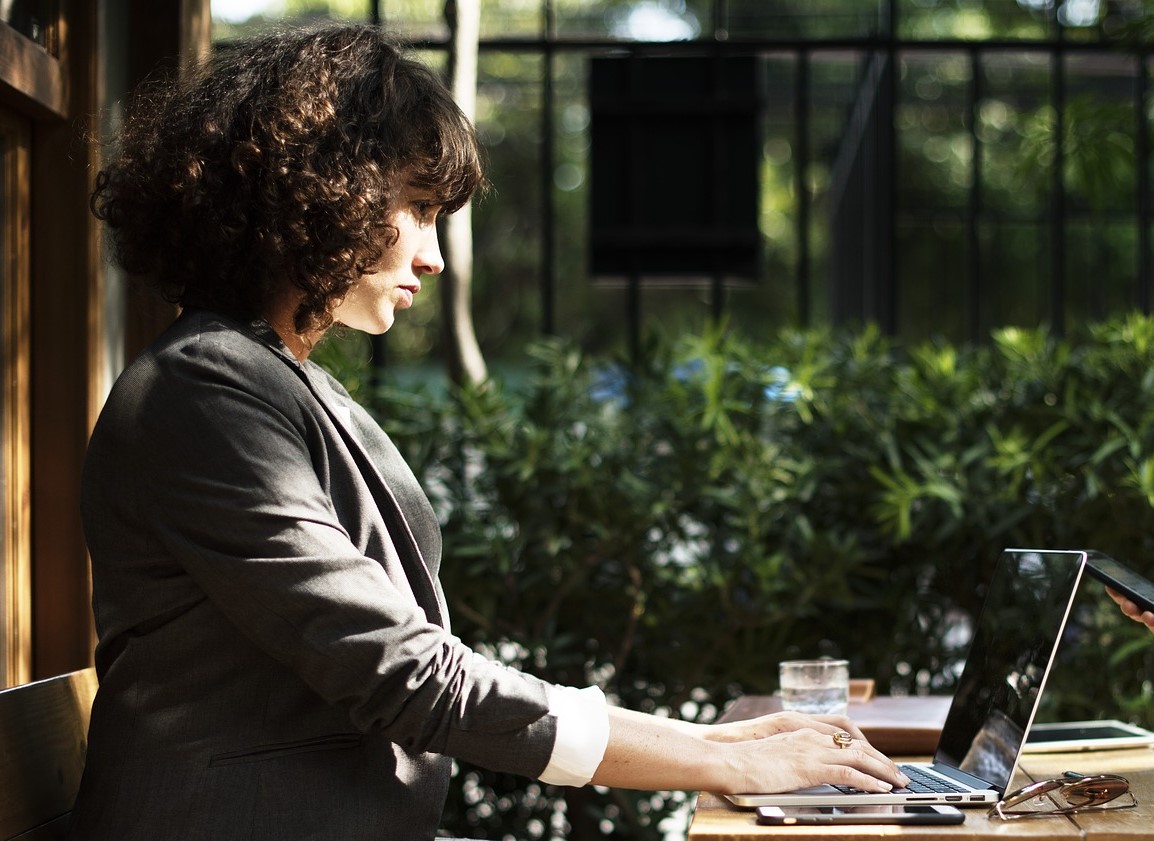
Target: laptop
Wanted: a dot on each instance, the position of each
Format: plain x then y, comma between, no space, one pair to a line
1014,641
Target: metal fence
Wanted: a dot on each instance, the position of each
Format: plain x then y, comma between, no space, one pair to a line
937,167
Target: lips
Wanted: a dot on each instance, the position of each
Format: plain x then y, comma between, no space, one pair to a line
408,293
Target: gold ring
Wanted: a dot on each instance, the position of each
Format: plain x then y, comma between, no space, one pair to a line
842,739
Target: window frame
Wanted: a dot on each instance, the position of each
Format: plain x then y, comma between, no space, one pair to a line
15,367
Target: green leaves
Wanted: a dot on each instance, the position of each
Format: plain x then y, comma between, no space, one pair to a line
671,531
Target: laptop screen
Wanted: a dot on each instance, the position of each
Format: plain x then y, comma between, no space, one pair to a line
1013,646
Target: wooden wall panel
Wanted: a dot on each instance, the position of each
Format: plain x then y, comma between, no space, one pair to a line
65,289
68,307
14,403
30,76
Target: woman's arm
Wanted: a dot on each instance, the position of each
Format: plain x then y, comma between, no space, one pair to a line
773,753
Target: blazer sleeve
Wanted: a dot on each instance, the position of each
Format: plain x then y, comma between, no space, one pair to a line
230,469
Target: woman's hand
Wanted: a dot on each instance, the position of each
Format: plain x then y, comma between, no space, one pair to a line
807,756
1132,610
783,722
808,753
777,752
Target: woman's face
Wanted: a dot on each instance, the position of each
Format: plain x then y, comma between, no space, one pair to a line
372,302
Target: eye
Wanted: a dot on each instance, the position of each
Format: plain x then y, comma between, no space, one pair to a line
426,210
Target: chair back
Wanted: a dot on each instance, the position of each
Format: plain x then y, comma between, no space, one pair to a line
43,739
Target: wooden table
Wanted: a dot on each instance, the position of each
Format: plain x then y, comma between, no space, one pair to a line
715,819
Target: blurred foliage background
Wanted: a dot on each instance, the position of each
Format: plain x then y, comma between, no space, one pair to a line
670,531
669,524
1011,189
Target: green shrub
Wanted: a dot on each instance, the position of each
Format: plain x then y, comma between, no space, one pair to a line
671,531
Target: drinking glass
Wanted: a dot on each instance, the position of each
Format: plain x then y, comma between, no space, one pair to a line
817,687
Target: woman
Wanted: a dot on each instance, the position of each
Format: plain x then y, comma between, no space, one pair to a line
274,653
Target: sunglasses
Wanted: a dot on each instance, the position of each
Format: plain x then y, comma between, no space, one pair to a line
1079,793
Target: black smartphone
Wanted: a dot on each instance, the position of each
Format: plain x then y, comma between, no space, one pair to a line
827,815
1121,579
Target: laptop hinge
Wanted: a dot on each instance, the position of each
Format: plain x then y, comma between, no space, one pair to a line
961,776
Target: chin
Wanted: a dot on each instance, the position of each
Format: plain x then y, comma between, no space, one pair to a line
374,327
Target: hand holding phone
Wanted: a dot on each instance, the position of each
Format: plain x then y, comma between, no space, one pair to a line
830,815
1121,579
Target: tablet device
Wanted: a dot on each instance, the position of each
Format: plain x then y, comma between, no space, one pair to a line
1060,737
830,815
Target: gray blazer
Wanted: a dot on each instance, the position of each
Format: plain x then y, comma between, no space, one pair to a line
274,654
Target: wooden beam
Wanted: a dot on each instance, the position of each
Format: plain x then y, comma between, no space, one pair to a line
67,306
14,405
30,78
65,297
195,29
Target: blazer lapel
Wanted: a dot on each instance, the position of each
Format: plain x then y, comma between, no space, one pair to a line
389,458
383,453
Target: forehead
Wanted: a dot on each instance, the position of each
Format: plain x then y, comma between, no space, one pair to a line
409,189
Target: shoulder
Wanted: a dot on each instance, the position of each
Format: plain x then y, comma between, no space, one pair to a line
205,368
205,349
204,339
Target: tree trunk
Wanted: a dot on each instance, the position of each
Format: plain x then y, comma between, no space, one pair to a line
466,364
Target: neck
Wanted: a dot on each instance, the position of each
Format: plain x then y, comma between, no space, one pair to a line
281,318
298,345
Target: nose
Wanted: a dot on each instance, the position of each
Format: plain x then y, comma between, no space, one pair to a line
428,259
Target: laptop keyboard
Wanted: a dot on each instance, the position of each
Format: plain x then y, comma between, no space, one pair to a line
920,783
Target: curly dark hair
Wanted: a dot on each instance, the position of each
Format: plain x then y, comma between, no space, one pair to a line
278,160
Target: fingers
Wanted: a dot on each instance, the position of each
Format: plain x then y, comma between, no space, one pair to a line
840,722
863,775
814,756
859,764
810,757
807,757
786,722
825,727
1128,607
1131,609
863,757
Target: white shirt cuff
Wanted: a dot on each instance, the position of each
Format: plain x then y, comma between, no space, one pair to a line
582,735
